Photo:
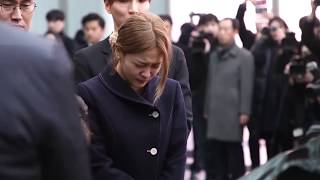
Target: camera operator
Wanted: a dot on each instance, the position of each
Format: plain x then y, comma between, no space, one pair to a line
203,41
300,104
310,27
312,125
300,72
272,52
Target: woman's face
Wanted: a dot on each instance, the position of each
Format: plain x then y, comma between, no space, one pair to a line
278,31
138,69
121,10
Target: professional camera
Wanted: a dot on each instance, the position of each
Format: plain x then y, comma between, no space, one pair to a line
266,33
298,66
198,42
301,65
313,90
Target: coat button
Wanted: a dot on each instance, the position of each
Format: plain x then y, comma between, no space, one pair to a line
153,151
155,114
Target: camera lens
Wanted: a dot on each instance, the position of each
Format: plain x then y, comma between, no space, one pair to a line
273,29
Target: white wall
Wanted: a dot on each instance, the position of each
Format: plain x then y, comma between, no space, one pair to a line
292,14
39,19
160,6
76,9
290,11
180,10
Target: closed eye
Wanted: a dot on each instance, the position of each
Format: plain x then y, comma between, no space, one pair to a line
123,1
7,3
155,66
140,65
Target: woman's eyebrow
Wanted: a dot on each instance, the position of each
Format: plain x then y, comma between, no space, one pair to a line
27,1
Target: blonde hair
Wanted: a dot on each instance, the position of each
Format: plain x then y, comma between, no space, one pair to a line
142,32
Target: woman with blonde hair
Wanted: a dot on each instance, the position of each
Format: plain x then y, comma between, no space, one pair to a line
136,114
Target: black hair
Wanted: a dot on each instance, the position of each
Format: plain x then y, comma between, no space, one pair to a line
186,30
280,20
206,18
93,17
166,17
55,15
235,23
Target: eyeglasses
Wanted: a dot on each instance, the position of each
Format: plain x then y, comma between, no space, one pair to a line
27,8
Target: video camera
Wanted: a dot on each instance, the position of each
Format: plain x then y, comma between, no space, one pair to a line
301,65
313,90
198,42
298,66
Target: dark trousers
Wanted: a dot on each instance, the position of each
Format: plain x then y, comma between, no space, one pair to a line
199,134
254,143
224,160
283,141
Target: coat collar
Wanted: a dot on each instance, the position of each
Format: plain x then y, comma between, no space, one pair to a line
113,81
105,46
230,51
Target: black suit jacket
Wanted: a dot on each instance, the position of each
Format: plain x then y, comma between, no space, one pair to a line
40,134
92,60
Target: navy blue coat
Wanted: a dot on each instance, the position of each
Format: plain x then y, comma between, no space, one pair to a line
90,61
132,138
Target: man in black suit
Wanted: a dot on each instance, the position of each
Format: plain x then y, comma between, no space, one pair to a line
40,133
56,22
92,60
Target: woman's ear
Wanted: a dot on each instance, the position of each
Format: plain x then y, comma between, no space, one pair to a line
119,56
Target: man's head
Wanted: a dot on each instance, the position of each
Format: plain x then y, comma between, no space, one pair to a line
168,22
209,23
228,28
121,10
17,12
93,28
55,19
